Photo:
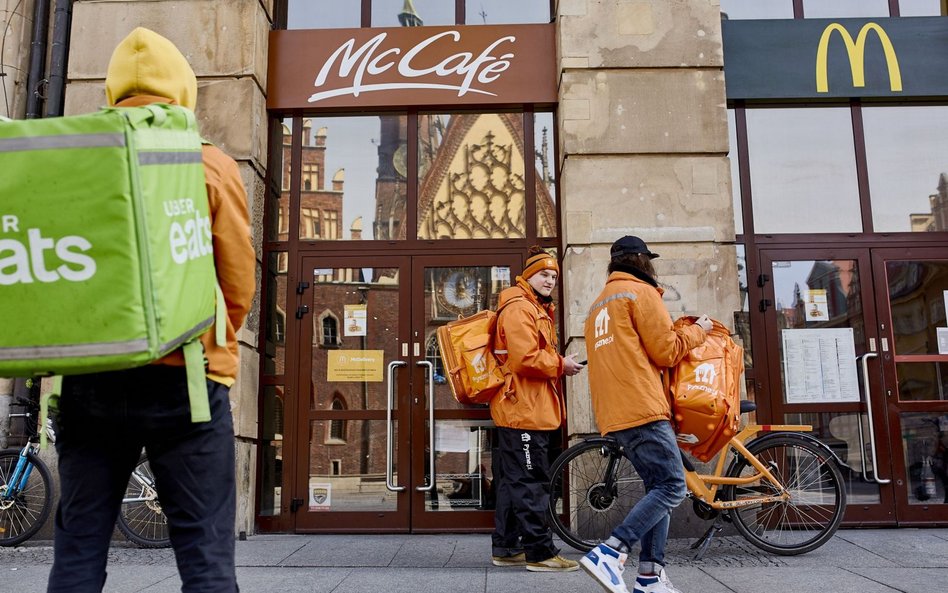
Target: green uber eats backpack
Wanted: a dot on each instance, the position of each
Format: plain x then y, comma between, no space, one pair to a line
105,244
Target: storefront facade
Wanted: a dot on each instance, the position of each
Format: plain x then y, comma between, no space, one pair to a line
402,156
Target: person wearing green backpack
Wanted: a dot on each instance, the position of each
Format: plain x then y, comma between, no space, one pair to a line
106,418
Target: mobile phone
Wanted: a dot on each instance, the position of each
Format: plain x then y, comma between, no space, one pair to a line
583,362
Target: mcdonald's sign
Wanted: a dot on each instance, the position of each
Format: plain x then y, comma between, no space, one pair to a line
821,58
857,56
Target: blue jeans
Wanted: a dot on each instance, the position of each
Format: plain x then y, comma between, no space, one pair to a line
104,421
654,453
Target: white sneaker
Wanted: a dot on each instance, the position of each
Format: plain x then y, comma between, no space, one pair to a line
606,565
654,584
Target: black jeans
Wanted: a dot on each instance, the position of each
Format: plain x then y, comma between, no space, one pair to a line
104,421
522,472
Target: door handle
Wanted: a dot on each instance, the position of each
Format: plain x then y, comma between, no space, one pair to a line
431,428
389,437
872,431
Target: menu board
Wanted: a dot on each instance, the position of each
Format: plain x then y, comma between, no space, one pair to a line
819,366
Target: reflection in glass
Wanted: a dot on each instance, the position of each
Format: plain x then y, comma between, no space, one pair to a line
803,170
355,334
502,12
352,183
841,432
742,317
905,148
349,475
922,381
271,450
451,293
274,357
757,9
925,445
323,14
735,173
471,177
463,478
921,8
816,9
279,206
917,302
545,160
411,13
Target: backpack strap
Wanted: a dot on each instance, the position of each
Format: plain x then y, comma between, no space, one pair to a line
200,405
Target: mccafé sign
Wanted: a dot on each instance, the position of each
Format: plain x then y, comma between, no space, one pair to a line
411,67
818,58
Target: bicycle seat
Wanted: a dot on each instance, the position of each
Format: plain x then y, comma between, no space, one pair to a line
747,406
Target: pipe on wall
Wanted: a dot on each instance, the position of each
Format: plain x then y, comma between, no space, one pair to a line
62,21
36,78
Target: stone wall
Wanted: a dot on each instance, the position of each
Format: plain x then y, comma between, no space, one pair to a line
16,28
642,150
226,44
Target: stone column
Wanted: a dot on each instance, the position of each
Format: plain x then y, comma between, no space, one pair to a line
226,44
16,25
642,149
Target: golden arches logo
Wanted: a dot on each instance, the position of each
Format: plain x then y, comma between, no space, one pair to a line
857,56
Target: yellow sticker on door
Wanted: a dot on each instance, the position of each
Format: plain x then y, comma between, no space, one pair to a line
355,365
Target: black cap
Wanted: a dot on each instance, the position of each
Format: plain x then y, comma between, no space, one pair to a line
630,244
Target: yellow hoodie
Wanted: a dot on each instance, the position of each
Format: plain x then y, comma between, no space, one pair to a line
145,63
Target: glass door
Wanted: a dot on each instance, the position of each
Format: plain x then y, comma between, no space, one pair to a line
823,368
911,287
383,445
452,472
353,411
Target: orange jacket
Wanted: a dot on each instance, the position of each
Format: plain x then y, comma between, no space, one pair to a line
234,258
525,330
629,338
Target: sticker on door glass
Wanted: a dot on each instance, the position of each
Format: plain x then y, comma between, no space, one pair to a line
320,495
355,321
355,365
819,366
942,340
816,307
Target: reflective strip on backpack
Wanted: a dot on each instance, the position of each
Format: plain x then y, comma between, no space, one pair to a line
169,158
55,142
180,340
75,350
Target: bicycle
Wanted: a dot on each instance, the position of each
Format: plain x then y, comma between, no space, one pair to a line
25,488
783,491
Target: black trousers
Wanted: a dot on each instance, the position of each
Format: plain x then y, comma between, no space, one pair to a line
104,421
522,473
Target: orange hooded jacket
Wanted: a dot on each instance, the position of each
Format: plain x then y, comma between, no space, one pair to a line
147,68
629,339
526,331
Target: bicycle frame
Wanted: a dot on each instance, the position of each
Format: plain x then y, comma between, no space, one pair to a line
20,476
148,489
704,487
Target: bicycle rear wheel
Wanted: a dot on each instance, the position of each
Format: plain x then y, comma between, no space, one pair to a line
141,519
593,488
812,513
24,512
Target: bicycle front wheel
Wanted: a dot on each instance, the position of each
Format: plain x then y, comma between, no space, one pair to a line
814,509
141,519
592,490
24,506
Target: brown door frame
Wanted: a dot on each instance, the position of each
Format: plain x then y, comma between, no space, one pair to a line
882,513
907,514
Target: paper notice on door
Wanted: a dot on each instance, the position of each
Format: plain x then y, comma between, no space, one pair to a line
819,366
942,340
816,308
355,322
354,365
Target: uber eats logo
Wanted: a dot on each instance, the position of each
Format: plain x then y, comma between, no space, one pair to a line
27,262
42,257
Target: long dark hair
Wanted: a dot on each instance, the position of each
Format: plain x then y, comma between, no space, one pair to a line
638,261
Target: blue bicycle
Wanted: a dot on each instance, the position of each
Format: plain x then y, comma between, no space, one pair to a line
26,501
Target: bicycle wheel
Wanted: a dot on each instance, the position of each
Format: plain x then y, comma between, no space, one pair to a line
141,519
593,487
812,513
24,512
